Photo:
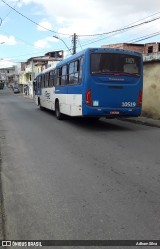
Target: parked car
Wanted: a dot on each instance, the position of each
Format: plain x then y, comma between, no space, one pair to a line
16,90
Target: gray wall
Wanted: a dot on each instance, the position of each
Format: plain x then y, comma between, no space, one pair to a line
151,89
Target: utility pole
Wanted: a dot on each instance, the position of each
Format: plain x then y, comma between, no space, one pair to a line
74,41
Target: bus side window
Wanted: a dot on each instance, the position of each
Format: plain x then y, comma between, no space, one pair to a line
44,81
67,74
64,75
59,75
80,69
76,71
54,77
73,72
42,78
47,79
51,78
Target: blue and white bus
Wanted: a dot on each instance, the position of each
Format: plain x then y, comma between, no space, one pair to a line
96,82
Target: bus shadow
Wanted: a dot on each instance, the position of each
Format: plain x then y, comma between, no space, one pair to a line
100,125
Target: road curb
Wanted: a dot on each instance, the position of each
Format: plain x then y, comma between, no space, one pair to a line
144,121
2,213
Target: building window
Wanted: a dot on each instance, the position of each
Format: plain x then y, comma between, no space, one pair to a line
150,49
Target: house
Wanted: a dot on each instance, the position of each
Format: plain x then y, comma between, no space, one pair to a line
35,65
9,75
126,46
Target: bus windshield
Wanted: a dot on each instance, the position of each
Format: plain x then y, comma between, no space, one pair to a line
113,63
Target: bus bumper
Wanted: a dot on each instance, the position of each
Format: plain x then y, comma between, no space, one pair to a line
111,112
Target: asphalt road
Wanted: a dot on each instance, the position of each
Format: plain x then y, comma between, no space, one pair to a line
75,179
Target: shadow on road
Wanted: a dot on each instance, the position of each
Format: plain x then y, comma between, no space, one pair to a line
100,125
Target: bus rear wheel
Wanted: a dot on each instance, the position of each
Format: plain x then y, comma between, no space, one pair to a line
59,115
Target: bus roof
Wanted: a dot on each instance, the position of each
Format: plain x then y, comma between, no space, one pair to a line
101,50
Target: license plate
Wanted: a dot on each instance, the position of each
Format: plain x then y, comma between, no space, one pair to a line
114,112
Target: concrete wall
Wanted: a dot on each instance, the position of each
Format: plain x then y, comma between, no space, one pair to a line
126,46
151,90
155,47
142,48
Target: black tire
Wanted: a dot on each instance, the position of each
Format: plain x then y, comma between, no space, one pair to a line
39,103
59,115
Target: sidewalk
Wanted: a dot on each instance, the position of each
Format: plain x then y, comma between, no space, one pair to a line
144,121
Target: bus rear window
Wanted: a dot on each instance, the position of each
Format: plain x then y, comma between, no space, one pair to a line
111,63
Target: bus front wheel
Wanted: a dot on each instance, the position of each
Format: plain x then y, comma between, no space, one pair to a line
59,115
39,103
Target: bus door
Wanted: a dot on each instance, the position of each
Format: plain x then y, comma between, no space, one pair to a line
60,90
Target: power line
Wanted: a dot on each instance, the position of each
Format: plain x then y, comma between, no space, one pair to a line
53,31
109,34
79,43
31,45
124,28
133,40
98,34
11,10
145,37
31,53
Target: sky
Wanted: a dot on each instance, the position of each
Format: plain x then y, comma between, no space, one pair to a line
27,27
